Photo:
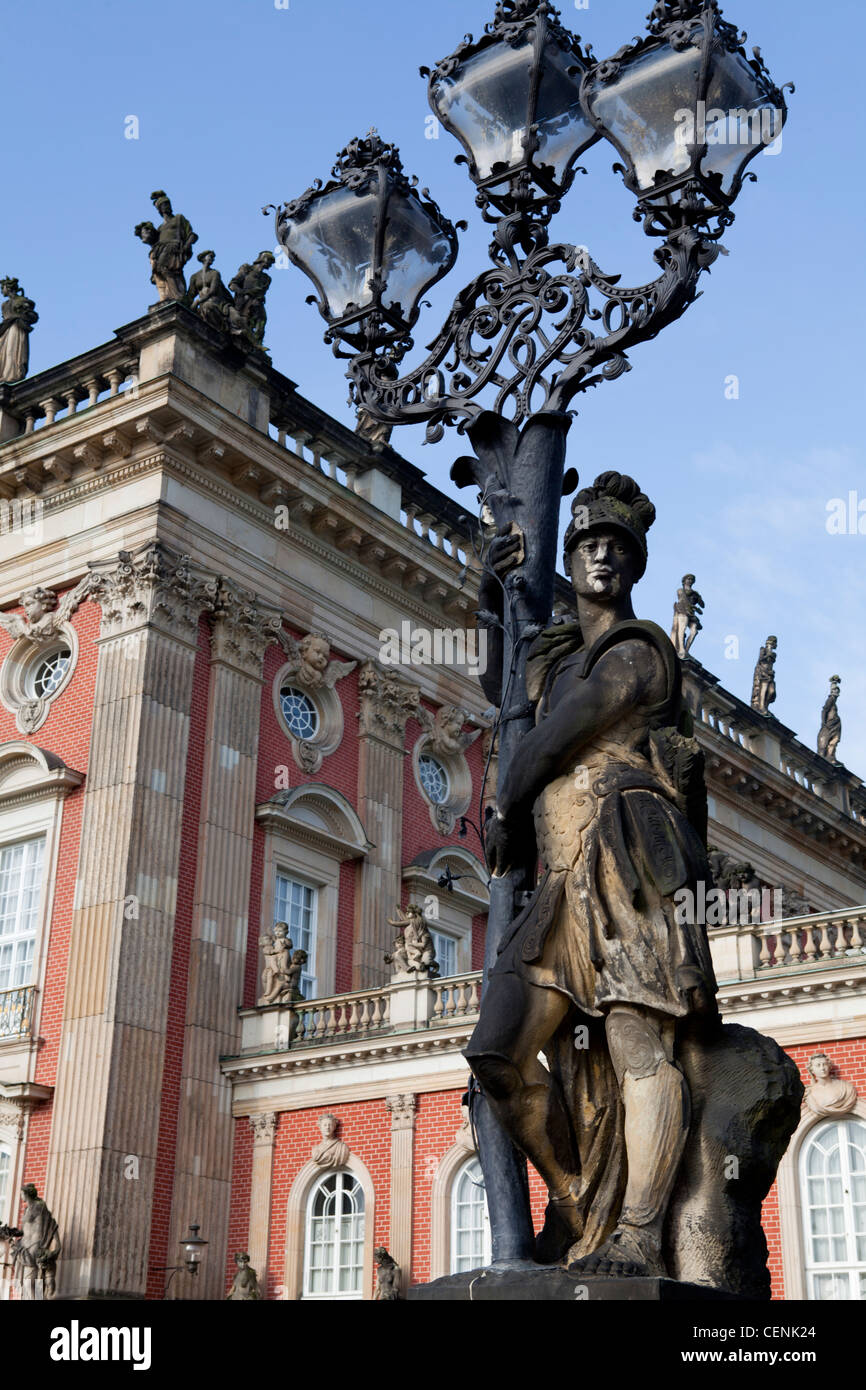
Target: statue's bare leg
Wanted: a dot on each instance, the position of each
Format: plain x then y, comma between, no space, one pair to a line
657,1111
518,1020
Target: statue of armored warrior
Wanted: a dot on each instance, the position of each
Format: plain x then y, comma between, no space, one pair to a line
687,622
764,682
610,782
831,724
17,318
170,245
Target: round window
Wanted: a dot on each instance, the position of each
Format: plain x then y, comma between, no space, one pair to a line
299,712
434,779
49,673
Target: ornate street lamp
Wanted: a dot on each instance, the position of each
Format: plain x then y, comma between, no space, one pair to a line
192,1249
545,323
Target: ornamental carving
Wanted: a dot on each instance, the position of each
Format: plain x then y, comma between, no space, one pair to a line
388,701
153,585
45,614
413,952
330,1152
828,1095
445,736
312,674
37,669
402,1111
243,629
764,680
264,1127
310,663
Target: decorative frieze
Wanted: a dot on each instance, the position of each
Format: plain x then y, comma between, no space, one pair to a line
402,1111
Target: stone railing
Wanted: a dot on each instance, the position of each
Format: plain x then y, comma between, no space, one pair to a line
404,1005
16,1011
796,944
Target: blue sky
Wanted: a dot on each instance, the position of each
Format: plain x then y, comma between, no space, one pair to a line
240,103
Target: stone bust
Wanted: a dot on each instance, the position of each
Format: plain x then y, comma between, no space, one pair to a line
331,1152
828,1095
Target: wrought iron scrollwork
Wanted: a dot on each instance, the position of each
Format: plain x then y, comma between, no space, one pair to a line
534,331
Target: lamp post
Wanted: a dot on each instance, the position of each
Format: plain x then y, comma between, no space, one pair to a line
192,1249
687,110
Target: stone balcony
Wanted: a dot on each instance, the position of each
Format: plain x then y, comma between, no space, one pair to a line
800,979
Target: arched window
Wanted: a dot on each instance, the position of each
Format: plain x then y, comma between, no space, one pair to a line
470,1224
334,1247
833,1188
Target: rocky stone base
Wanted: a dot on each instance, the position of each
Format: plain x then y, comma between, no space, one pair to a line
553,1284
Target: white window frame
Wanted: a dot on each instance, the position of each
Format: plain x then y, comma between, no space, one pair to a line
335,1294
453,941
6,1192
309,978
486,1248
17,935
852,1267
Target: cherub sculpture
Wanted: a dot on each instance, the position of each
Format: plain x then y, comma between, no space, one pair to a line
44,614
311,666
277,949
413,950
293,989
445,736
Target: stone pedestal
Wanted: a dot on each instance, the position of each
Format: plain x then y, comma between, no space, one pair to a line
553,1284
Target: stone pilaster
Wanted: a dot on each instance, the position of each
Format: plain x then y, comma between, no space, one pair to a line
402,1111
241,633
387,702
264,1129
105,1124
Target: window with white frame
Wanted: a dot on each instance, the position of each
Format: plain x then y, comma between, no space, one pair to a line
833,1188
5,1176
20,895
334,1245
446,953
470,1224
296,903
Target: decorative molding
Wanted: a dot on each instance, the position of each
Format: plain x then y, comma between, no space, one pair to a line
264,1127
242,629
402,1109
311,671
28,773
317,815
152,585
296,1221
388,702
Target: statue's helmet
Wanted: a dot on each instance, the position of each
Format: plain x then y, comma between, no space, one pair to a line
614,500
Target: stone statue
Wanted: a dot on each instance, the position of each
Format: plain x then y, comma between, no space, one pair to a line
17,318
245,1285
293,977
277,949
37,1249
828,1095
247,317
44,614
374,432
311,666
764,682
445,731
170,245
610,787
208,296
387,1277
794,904
331,1152
687,611
413,951
831,724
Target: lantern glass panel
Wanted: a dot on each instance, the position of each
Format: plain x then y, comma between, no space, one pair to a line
649,110
415,253
485,102
739,119
563,130
334,245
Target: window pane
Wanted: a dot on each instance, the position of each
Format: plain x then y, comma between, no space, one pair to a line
20,896
296,903
834,1209
470,1242
446,952
334,1254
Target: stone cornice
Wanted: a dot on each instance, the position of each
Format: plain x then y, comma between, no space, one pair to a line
278,819
347,1054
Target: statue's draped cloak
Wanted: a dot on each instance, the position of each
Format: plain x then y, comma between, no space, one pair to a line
616,843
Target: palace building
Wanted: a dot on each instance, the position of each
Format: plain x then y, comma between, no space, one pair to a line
202,735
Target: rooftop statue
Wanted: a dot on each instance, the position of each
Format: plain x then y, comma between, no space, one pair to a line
17,317
247,316
170,245
764,682
687,622
208,296
831,724
601,971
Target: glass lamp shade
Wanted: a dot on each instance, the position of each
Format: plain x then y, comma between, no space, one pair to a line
686,107
368,240
192,1249
513,99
